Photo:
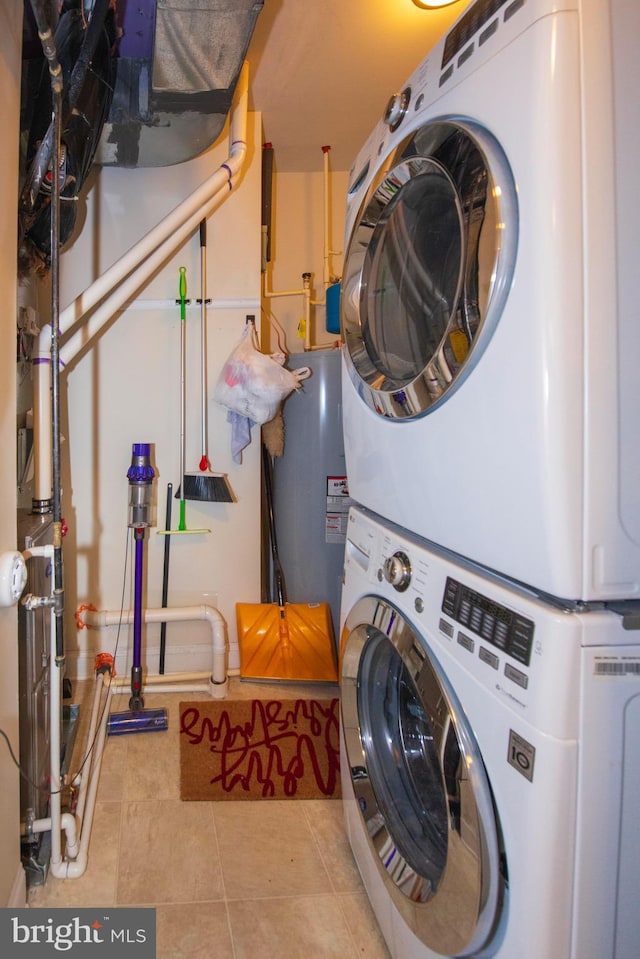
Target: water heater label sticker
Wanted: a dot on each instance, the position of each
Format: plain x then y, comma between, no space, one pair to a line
336,528
337,486
337,509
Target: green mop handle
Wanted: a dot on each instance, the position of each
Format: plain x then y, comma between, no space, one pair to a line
183,292
182,524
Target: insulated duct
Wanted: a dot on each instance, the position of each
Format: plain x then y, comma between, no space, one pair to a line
177,67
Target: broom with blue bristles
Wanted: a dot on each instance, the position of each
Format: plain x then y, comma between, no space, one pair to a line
205,485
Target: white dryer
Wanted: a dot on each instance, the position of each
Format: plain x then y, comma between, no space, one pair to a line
490,758
491,327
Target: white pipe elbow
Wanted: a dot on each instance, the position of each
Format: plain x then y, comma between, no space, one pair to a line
70,869
68,825
72,846
100,619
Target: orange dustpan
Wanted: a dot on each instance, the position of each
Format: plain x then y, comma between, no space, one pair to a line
281,640
292,641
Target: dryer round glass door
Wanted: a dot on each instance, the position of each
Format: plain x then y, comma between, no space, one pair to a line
428,267
420,783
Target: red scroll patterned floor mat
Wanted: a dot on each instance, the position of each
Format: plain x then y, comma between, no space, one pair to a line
260,749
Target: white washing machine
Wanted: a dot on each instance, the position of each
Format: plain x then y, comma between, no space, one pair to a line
490,319
490,758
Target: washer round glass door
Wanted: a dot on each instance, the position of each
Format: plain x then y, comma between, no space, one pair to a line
420,783
428,267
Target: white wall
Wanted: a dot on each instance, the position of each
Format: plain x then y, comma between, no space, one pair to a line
12,881
297,246
126,389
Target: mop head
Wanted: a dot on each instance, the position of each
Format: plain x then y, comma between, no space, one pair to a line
207,487
140,721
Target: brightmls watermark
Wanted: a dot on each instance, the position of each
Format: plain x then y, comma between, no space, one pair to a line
80,933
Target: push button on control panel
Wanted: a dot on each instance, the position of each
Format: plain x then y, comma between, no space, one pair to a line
488,657
516,676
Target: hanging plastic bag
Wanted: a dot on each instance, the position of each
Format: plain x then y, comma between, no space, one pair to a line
254,384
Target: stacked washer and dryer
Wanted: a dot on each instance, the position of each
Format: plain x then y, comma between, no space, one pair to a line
490,620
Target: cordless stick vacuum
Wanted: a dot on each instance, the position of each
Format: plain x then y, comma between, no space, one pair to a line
138,719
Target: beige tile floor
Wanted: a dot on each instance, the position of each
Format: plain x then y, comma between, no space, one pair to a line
230,880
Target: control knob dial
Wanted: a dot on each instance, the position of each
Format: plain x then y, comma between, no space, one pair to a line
397,108
397,570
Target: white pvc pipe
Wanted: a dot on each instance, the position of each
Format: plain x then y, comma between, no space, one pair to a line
269,293
192,205
126,290
137,265
57,822
305,292
153,249
306,278
189,687
42,454
74,863
62,868
54,821
162,680
218,681
69,827
84,778
327,251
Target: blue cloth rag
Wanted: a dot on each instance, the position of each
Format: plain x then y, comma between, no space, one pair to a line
240,434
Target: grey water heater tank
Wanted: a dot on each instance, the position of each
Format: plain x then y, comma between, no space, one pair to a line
310,489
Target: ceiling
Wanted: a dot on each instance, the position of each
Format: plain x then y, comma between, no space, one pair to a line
321,72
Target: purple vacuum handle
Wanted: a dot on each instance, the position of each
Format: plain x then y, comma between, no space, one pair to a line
136,702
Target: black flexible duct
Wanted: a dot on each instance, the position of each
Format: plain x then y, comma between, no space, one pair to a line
41,161
84,50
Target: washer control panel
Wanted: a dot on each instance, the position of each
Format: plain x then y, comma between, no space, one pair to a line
479,628
494,623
